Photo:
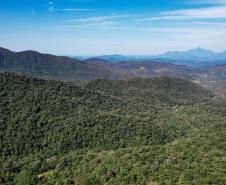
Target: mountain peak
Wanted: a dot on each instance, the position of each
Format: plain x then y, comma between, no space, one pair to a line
197,54
4,50
114,57
200,50
30,52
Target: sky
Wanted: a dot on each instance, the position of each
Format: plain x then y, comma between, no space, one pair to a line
100,27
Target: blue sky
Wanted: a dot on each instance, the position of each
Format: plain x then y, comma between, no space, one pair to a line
96,27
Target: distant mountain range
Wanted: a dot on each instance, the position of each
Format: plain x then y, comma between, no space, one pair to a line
115,58
197,56
32,63
194,57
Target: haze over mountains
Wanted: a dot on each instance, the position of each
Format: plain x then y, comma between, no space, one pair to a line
195,54
193,57
64,68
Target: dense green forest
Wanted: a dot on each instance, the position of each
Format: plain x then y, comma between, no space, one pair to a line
140,131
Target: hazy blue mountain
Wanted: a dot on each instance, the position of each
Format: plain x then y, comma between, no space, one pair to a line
193,54
115,58
193,57
223,55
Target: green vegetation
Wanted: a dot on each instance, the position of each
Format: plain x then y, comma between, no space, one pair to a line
140,131
47,66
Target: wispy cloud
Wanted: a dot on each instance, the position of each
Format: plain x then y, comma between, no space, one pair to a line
218,12
218,24
98,18
52,8
186,31
206,2
74,9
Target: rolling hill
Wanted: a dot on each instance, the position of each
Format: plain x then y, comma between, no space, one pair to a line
148,69
47,66
138,131
45,103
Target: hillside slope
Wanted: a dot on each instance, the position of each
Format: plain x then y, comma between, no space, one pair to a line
47,66
148,69
217,72
109,132
42,105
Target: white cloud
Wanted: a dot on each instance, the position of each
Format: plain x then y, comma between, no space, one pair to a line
219,24
200,32
98,18
206,2
217,12
212,12
74,9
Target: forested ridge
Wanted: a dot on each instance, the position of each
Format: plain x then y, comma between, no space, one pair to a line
35,64
138,131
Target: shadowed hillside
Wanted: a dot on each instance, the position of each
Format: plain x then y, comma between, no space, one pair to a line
48,66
